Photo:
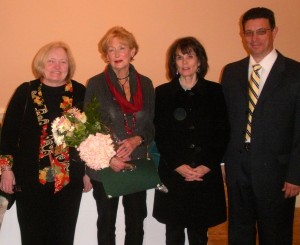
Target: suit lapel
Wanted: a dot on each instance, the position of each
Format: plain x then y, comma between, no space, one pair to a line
243,76
273,80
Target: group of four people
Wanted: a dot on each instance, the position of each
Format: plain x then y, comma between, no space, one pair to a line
196,124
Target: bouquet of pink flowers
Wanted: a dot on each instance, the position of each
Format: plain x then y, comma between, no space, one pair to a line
85,131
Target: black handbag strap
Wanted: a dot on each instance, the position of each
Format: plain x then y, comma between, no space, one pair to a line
25,107
26,102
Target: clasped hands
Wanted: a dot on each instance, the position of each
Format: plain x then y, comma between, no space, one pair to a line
123,154
192,174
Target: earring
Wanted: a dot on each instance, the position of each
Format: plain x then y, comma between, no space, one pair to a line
198,69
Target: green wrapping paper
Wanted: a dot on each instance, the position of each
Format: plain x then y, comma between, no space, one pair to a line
143,177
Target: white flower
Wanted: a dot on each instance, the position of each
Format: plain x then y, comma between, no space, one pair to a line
73,128
61,126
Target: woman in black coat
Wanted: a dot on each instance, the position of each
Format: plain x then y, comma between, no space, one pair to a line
191,135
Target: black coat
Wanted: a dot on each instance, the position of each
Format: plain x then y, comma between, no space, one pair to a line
191,128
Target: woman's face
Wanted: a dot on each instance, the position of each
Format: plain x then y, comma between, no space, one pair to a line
56,68
187,64
119,55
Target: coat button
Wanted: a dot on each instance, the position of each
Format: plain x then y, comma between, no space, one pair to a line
198,149
191,127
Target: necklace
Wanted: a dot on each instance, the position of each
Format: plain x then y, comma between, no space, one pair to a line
129,129
126,106
123,84
187,86
119,78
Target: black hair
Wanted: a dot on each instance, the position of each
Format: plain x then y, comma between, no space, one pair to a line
259,12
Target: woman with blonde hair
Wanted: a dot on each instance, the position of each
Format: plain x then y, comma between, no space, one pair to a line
47,180
127,108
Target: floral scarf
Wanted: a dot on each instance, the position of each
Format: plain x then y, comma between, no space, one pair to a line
58,170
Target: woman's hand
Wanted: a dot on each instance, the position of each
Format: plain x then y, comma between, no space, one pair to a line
189,173
7,181
117,164
87,185
202,170
127,146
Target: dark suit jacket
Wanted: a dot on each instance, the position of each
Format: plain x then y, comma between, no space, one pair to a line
191,128
275,141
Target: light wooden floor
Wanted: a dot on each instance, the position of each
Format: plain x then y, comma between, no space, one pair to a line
218,234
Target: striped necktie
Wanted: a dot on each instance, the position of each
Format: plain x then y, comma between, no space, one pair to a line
253,97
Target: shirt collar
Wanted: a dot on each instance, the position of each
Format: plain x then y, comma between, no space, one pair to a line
267,62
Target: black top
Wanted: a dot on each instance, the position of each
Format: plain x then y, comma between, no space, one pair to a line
20,135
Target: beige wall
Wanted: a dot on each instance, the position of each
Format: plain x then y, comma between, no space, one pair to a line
26,25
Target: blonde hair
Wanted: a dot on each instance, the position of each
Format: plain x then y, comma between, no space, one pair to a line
121,33
41,57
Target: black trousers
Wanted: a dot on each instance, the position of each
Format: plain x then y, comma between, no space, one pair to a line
135,210
47,218
251,213
175,235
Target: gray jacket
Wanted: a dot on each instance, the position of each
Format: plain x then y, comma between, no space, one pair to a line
111,113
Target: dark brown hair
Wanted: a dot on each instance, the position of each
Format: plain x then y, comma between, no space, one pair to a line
186,45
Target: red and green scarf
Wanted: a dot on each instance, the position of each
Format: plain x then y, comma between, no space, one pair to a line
127,107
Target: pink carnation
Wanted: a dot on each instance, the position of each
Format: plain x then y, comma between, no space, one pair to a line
97,150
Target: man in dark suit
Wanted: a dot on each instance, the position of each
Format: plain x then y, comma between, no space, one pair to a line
262,161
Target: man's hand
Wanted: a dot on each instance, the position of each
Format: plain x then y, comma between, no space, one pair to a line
290,190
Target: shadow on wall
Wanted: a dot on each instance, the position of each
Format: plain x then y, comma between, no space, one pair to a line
1,117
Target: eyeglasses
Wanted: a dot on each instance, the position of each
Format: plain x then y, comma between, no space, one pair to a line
258,32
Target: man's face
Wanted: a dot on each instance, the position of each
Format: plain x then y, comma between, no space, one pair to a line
259,37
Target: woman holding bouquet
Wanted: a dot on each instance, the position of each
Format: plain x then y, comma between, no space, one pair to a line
47,180
126,107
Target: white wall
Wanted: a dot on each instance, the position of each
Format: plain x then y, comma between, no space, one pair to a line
86,231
